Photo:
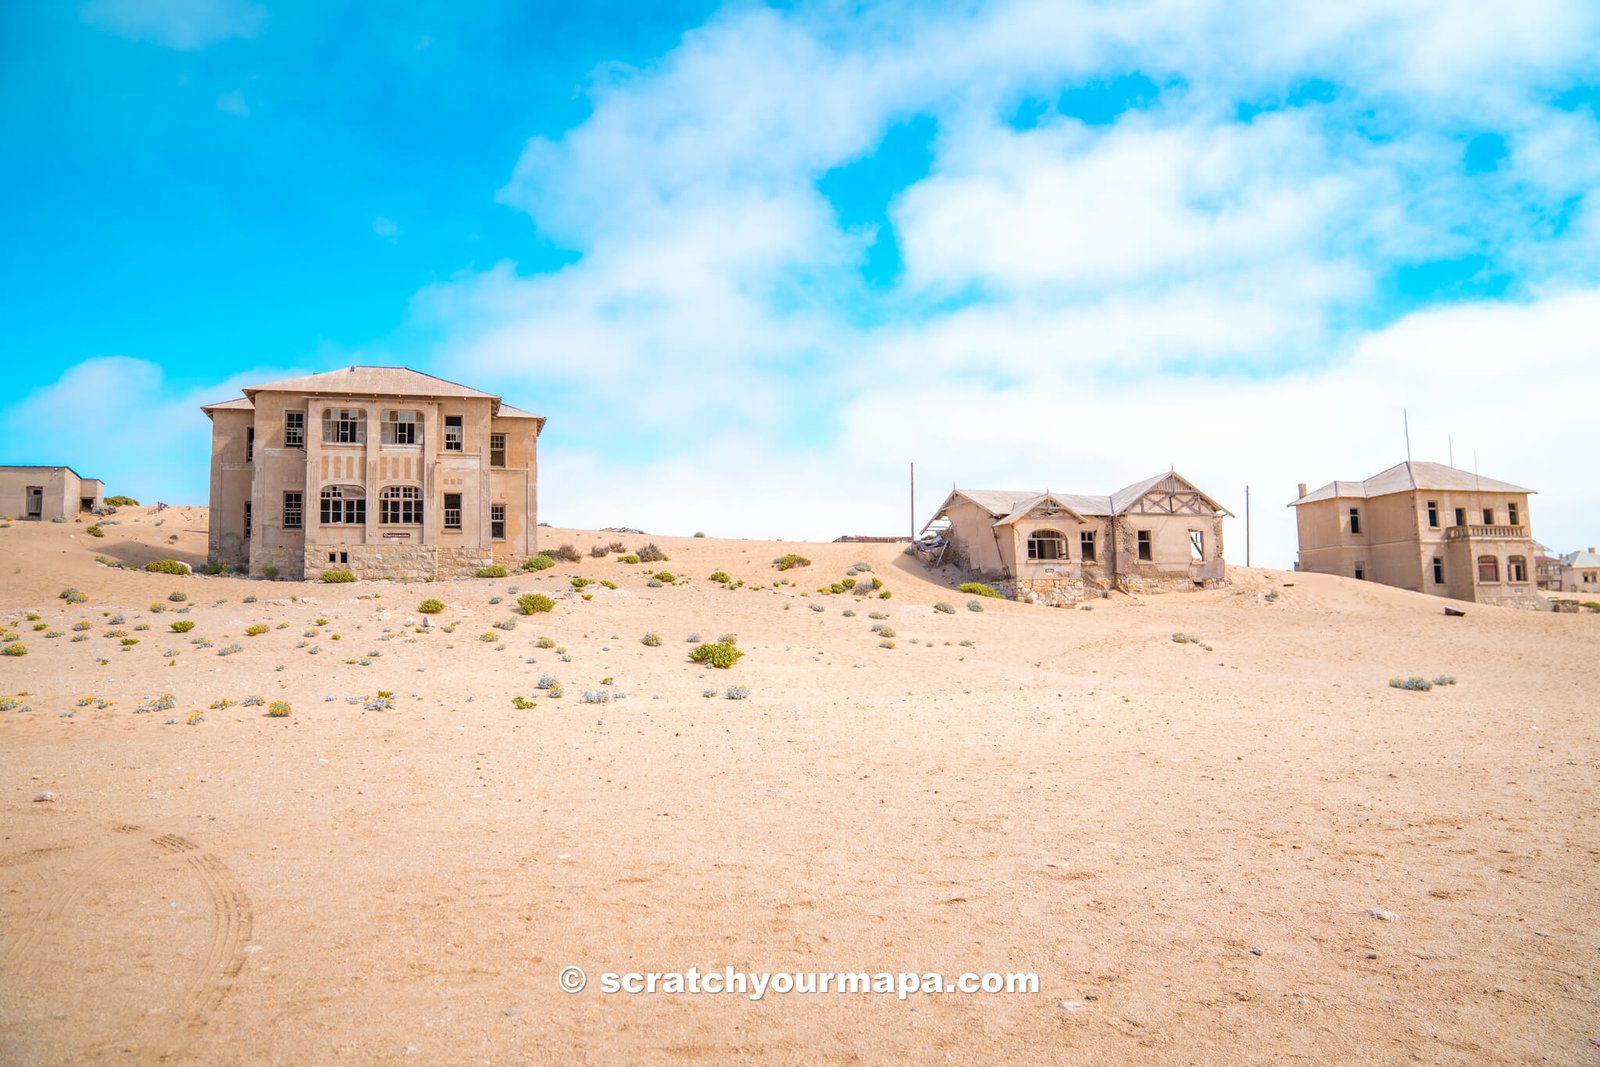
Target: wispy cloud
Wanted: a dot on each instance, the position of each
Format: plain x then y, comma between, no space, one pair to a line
233,103
185,25
385,228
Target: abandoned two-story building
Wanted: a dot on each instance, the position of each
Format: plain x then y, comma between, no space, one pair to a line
1425,527
381,471
1159,534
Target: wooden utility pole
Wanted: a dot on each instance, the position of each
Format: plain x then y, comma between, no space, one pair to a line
913,503
1247,526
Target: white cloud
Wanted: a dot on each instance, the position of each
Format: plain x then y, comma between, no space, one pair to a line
385,228
185,25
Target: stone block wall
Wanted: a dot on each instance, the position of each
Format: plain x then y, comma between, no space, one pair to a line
398,561
1051,592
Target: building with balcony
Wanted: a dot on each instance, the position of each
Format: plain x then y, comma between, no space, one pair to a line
1156,535
1425,527
381,471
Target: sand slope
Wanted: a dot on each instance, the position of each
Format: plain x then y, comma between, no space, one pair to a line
1073,794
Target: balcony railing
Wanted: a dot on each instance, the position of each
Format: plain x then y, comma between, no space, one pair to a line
1493,533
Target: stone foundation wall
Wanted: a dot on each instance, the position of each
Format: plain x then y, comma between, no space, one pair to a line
1051,592
1166,583
399,561
284,563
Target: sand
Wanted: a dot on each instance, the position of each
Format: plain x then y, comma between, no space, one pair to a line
1073,794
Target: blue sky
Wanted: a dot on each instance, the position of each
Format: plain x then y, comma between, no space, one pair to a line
751,260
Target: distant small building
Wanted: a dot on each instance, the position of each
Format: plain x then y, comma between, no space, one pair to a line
1580,572
1156,535
46,493
1425,527
1546,568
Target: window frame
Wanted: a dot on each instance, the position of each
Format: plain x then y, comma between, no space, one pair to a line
497,449
1355,522
294,435
1517,570
1438,570
446,509
1492,563
1488,516
392,426
456,442
249,518
1433,514
1513,515
1144,546
351,508
334,421
497,526
1087,550
1040,538
295,508
400,505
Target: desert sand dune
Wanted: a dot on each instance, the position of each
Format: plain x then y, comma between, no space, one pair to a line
1066,792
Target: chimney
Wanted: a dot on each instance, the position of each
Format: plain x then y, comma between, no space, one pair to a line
1591,550
1302,489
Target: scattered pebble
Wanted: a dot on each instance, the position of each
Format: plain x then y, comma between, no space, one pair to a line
1385,916
1255,951
43,798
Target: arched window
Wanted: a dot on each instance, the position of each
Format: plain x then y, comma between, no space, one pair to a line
400,505
344,426
344,505
1488,569
1516,568
402,427
1046,545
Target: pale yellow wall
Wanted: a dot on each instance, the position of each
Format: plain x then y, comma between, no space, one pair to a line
1396,545
61,492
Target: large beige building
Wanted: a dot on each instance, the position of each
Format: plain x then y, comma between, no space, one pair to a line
1159,534
1425,527
378,470
47,493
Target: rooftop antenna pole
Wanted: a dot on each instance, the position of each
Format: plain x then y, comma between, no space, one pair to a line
913,501
1406,415
1247,526
1451,444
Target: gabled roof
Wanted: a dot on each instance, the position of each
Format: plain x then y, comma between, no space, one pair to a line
1042,500
378,381
1009,505
1408,476
1584,558
244,403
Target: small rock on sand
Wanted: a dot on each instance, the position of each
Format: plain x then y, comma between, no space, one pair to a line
1385,916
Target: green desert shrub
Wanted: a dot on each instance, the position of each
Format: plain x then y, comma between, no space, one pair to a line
664,577
337,575
790,561
182,626
95,531
628,558
129,642
15,648
541,562
720,654
974,605
492,571
579,583
652,639
720,577
256,630
608,583
73,596
534,603
979,589
121,502
278,709
1421,685
214,569
177,598
431,606
166,566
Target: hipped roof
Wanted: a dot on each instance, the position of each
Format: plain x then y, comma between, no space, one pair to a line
372,381
1408,476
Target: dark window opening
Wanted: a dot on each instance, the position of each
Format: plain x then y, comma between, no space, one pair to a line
497,522
294,429
1516,569
344,426
1086,546
453,434
343,506
497,450
1361,572
1461,516
249,444
400,505
1488,569
1433,514
1045,545
1438,571
402,427
293,511
452,511
1512,515
1143,540
247,520
1488,516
